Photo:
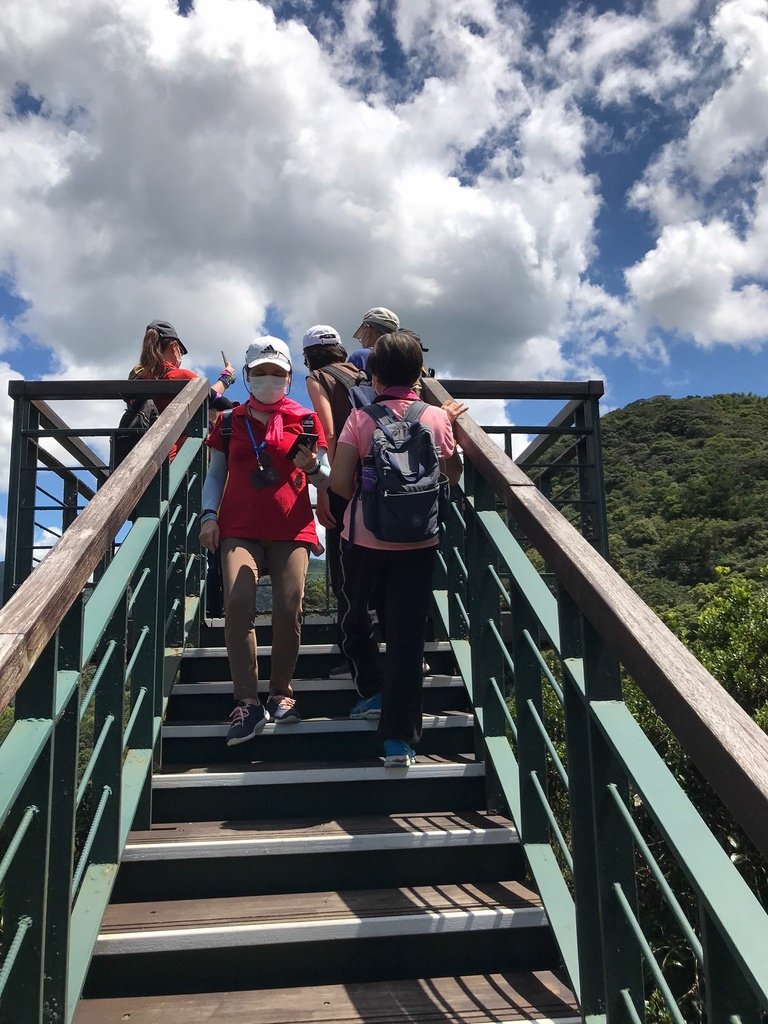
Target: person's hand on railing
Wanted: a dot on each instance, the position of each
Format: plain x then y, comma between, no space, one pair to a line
454,409
209,535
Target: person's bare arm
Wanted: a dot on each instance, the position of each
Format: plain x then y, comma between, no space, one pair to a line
324,516
344,470
452,467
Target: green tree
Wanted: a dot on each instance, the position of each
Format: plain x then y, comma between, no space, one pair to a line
732,640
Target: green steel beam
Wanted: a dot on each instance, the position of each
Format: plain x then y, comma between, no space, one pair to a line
184,460
136,767
730,903
484,606
67,684
61,844
462,651
440,601
546,872
111,587
87,913
533,588
727,995
19,753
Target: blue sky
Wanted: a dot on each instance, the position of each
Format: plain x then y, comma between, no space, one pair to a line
543,190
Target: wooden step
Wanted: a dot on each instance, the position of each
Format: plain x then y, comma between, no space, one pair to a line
311,739
182,841
318,938
288,918
314,660
305,789
475,999
263,620
312,727
225,858
303,686
430,647
317,697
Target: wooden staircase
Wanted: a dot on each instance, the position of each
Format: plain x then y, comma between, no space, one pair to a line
294,878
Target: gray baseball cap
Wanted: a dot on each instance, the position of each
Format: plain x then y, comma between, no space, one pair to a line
382,317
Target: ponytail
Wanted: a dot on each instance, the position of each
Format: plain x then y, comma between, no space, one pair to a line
151,359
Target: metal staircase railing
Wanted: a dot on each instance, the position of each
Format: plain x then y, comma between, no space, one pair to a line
564,755
87,670
571,764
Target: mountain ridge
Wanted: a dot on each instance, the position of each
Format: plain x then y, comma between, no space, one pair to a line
686,490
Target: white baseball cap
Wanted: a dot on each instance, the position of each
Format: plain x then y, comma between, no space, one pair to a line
268,350
320,334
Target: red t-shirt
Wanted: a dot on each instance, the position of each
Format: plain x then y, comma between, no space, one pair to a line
280,511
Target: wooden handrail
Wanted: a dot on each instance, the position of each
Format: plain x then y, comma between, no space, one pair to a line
34,613
726,746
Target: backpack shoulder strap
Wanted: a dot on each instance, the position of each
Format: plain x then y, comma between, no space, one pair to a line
415,411
346,379
379,413
226,432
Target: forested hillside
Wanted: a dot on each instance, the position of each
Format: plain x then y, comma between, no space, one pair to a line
687,490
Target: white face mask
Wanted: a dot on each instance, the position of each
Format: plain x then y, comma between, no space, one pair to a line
268,389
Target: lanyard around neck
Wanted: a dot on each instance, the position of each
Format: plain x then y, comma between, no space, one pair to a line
257,448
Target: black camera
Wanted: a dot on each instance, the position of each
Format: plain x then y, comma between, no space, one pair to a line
265,474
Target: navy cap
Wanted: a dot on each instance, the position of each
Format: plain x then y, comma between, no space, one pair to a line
167,332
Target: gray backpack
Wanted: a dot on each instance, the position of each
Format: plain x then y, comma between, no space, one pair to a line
404,495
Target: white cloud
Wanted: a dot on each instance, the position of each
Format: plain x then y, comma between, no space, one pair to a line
217,165
688,285
618,56
209,168
733,122
729,125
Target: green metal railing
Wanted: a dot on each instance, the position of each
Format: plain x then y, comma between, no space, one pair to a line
563,457
568,761
539,624
88,672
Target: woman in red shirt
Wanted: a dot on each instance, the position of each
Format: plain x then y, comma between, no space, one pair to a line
256,506
161,353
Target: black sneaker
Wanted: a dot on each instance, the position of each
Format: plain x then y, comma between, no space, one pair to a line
282,708
246,721
340,671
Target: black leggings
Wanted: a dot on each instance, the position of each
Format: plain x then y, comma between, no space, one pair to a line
402,583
